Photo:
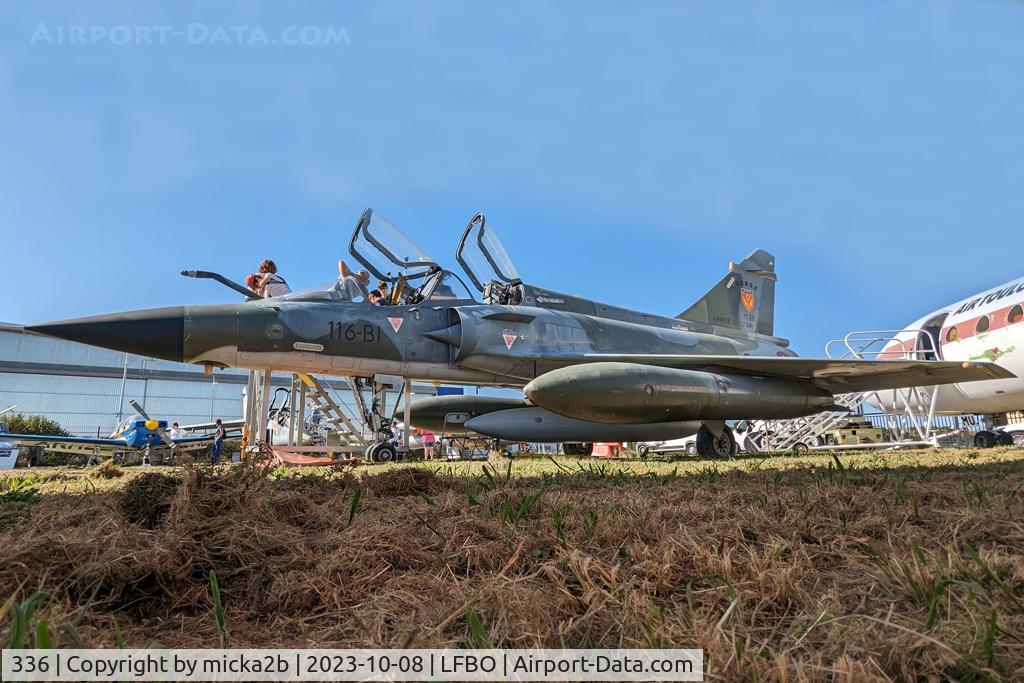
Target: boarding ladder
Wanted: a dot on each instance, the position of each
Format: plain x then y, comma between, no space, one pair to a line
916,402
318,394
784,435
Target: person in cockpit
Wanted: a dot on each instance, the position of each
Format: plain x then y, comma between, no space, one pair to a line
376,299
351,285
385,293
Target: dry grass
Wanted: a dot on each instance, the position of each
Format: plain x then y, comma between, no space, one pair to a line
108,469
856,567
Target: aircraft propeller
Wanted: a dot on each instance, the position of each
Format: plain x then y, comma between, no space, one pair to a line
158,429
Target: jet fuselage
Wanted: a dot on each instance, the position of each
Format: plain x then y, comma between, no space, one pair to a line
460,342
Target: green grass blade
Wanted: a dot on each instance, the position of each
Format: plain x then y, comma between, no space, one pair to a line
481,639
559,466
218,610
118,635
21,617
356,496
43,639
490,477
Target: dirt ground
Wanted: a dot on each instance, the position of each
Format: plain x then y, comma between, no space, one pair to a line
869,566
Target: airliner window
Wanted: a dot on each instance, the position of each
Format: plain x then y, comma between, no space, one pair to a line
1016,315
982,325
951,334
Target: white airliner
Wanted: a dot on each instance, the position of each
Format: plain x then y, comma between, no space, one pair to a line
985,327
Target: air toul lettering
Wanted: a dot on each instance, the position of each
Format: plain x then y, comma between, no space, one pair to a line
1015,288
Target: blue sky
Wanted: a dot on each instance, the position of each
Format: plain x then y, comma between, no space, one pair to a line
626,151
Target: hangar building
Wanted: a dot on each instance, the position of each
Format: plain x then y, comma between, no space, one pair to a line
87,389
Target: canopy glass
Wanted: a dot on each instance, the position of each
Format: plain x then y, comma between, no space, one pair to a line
482,255
387,252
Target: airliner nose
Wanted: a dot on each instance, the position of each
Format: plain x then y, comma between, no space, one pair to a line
155,332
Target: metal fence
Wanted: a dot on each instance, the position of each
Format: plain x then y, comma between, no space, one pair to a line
969,423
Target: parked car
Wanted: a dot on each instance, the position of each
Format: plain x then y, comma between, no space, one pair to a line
677,447
685,446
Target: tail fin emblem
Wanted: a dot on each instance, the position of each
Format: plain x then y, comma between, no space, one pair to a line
747,299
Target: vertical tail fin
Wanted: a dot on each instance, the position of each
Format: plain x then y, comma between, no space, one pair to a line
744,299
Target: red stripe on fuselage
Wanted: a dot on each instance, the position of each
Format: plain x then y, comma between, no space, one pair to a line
901,350
965,329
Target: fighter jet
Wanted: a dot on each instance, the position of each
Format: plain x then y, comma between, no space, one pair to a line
589,371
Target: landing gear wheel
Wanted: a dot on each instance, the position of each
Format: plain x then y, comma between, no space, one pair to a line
986,439
644,451
722,446
1004,438
581,450
381,452
801,447
691,449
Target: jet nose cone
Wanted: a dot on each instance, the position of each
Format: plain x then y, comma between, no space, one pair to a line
156,332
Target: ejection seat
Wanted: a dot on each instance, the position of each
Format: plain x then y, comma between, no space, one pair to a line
501,294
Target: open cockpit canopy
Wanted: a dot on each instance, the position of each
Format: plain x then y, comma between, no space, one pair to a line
482,255
387,252
485,260
392,257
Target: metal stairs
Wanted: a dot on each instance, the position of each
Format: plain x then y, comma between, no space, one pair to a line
784,435
916,403
318,395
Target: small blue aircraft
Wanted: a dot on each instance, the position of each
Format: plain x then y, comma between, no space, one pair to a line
138,433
